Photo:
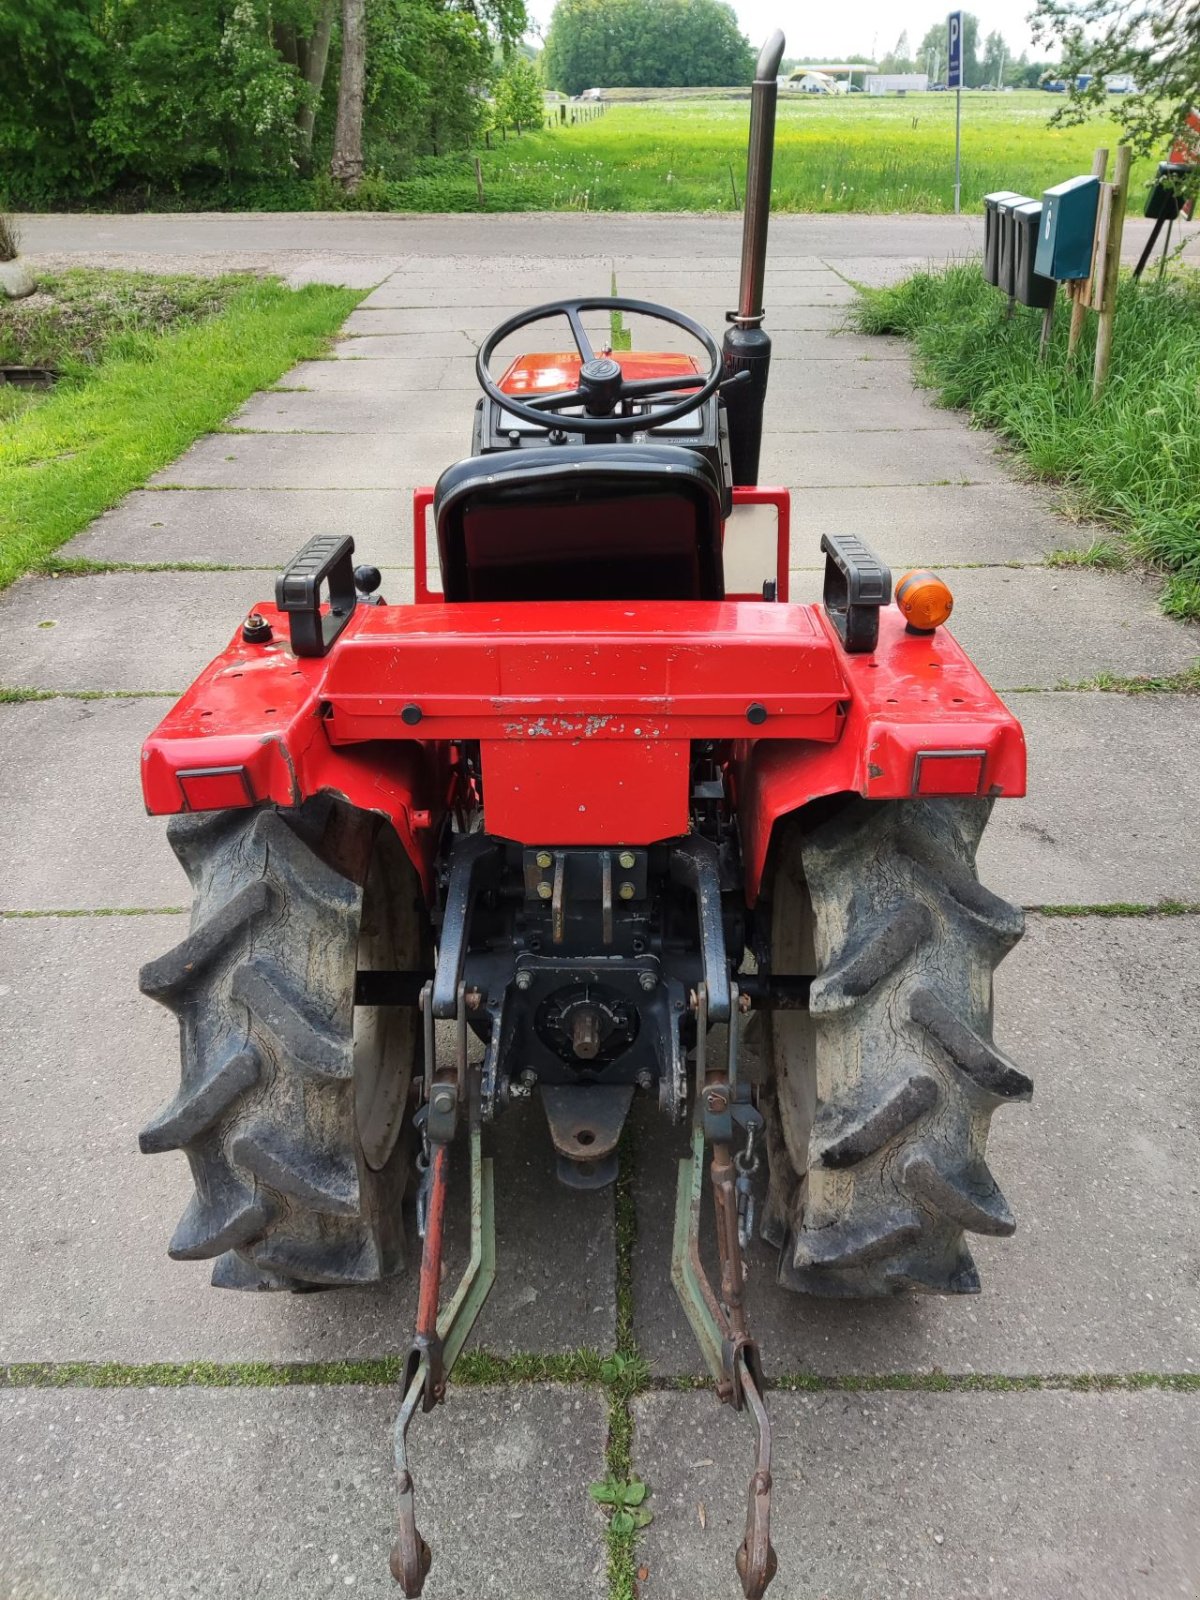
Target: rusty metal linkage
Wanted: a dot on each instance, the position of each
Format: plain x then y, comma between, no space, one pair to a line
439,1339
719,1322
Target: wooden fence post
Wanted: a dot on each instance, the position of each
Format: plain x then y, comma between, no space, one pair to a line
1110,266
1079,296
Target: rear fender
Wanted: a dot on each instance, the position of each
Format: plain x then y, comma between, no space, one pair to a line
253,728
921,721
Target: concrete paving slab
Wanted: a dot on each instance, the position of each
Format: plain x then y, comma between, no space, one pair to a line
297,461
76,835
1100,1171
592,277
287,1494
477,321
1112,784
357,272
952,1497
406,346
803,401
789,345
142,632
386,411
86,1275
1038,627
362,377
877,272
913,525
247,527
946,454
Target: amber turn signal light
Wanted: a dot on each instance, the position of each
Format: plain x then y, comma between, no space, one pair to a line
924,600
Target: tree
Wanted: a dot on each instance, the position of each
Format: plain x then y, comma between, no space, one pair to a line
995,54
899,59
518,97
1154,42
346,163
648,43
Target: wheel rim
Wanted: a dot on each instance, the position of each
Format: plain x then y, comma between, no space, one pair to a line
386,1038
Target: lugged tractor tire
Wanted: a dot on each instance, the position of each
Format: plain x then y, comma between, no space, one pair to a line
880,1096
292,1103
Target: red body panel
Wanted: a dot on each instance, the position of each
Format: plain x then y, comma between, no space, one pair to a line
546,371
585,714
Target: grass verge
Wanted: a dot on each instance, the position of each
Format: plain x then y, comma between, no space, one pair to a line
106,428
1132,460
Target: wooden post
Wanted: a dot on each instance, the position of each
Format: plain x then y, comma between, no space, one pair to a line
1079,298
479,181
1047,327
1118,195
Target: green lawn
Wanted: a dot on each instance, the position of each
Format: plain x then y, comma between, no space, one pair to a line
833,153
149,364
1132,461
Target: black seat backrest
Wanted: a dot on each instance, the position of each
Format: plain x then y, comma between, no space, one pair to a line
582,522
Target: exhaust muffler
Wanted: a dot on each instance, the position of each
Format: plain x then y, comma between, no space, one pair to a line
747,348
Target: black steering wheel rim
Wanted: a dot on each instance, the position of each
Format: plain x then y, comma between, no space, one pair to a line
541,412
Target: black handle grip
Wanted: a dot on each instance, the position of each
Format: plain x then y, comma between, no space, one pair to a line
857,583
298,592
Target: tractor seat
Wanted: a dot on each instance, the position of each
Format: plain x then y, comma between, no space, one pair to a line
581,522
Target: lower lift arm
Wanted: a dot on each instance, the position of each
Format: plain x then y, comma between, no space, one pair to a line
719,1321
439,1339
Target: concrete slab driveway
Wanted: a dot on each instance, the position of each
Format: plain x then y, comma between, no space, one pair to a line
162,1439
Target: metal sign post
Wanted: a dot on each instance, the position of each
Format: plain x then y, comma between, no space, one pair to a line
954,74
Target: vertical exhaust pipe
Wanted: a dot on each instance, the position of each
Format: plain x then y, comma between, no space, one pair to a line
747,348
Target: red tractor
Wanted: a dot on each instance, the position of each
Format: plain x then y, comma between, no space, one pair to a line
589,805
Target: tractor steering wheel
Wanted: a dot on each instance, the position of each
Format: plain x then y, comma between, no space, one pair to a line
602,385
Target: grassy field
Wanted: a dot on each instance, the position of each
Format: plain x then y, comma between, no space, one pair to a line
146,366
1132,461
835,153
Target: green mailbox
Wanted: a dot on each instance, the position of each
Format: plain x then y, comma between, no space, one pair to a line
1068,230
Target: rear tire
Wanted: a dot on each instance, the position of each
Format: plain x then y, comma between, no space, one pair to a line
292,1103
881,1095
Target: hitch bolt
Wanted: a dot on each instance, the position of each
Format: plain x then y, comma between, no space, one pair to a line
524,978
744,1003
648,982
544,891
644,1080
528,1077
442,1100
256,629
626,860
472,998
626,891
716,1101
544,859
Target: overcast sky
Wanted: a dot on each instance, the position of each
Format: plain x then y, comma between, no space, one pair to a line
856,27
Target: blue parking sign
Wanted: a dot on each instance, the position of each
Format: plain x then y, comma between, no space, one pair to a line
955,41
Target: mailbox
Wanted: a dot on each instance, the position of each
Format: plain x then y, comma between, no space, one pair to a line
1068,230
1164,202
1006,212
991,233
1029,288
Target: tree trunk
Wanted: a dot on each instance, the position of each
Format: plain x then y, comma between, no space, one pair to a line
314,55
346,167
